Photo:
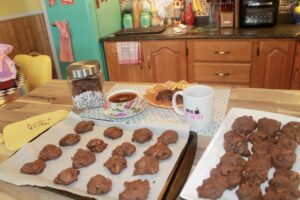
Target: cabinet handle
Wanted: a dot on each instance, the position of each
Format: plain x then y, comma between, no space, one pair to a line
222,52
222,74
149,65
295,74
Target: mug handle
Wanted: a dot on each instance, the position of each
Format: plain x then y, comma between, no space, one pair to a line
174,104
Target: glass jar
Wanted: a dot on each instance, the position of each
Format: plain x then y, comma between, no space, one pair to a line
145,20
127,21
86,82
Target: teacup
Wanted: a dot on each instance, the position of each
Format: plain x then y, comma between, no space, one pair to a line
198,105
122,101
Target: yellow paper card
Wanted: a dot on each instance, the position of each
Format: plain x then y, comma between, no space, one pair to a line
20,133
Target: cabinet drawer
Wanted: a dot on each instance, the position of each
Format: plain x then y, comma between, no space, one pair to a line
223,51
221,73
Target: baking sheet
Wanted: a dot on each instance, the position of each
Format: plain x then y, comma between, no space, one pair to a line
10,169
215,150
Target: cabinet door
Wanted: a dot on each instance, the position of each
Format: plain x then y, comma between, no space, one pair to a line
273,64
295,84
122,72
165,60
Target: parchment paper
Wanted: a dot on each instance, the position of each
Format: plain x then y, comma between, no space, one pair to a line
10,169
215,150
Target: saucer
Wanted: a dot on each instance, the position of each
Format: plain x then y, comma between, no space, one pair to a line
138,108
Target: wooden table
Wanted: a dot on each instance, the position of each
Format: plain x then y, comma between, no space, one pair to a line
56,95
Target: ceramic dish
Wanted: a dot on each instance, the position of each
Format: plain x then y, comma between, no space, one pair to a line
215,150
151,93
137,109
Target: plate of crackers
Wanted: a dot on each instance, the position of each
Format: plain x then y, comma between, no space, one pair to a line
161,94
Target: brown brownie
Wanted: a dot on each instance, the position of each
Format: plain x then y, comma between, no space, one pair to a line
269,126
125,149
84,126
135,190
142,135
35,167
113,132
159,150
115,164
69,139
249,191
67,176
146,165
98,185
96,145
83,158
50,152
168,137
244,125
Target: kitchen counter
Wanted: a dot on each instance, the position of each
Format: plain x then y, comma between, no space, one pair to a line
55,95
278,31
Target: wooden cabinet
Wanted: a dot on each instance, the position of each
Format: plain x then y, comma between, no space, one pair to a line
124,72
295,83
273,64
165,60
220,61
162,60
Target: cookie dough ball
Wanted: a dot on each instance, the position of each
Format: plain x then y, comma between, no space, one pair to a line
142,135
269,126
50,152
84,126
69,139
244,125
292,130
283,159
249,191
135,190
98,185
113,132
115,164
35,167
83,158
159,150
125,149
96,145
146,165
67,176
168,137
236,143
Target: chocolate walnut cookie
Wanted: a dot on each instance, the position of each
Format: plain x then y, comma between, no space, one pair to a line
136,189
99,185
50,152
142,135
83,158
67,176
113,132
84,126
96,145
69,139
35,167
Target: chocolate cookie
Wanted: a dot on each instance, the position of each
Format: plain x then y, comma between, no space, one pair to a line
35,167
137,190
50,152
269,126
284,142
99,185
142,135
283,159
258,136
159,150
84,126
236,143
249,191
67,176
292,130
244,125
69,139
263,147
212,188
168,137
83,158
96,145
113,132
125,149
146,165
115,164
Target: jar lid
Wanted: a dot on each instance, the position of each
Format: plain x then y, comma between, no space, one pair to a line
83,69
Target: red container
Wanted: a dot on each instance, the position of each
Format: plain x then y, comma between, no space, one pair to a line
189,16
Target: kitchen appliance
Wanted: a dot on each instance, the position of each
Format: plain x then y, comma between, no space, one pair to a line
88,21
258,13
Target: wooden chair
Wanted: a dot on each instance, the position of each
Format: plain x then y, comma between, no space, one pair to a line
37,68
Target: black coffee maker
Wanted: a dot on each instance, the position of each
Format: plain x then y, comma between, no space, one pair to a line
255,13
